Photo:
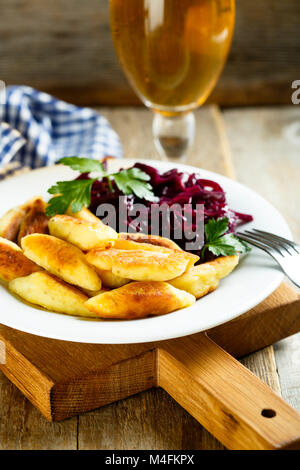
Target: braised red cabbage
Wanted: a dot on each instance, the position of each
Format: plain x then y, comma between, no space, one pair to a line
172,187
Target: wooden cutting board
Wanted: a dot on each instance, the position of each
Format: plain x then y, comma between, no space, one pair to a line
63,379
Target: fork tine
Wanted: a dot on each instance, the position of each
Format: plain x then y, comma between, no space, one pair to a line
250,240
272,236
289,264
261,238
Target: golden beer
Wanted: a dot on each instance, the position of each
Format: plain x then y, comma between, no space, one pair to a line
172,51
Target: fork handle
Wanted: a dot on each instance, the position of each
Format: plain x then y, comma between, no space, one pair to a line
225,397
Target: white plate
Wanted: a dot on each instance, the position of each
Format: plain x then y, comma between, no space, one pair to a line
251,282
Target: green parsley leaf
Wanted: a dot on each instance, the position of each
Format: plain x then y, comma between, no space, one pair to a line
84,165
136,173
134,181
76,194
215,228
218,243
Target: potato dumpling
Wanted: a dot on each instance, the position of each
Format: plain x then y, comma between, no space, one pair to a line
140,265
122,244
85,235
48,291
61,259
35,220
10,223
155,240
141,241
13,262
93,293
112,280
202,279
84,214
224,265
138,300
198,280
102,260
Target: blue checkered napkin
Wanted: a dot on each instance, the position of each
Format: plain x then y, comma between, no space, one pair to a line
11,141
37,130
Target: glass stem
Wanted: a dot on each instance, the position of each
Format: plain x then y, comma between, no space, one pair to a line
173,135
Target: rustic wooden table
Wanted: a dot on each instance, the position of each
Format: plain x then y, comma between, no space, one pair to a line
260,147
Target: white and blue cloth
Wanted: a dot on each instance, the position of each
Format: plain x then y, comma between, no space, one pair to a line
37,129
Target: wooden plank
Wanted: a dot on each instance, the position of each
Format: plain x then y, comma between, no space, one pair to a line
149,420
223,396
269,139
22,427
65,47
287,353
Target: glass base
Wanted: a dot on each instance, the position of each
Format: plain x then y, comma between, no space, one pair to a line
173,135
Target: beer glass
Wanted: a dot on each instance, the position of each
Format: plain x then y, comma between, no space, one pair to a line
172,52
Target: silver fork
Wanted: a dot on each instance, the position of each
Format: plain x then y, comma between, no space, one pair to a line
285,252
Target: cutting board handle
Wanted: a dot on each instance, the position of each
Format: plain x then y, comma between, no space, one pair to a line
225,397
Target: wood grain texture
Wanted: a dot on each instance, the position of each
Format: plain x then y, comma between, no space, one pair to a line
287,353
22,426
65,47
222,394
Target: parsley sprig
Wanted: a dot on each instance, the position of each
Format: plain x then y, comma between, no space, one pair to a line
220,243
76,194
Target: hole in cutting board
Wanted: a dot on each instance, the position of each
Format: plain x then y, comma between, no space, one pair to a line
268,413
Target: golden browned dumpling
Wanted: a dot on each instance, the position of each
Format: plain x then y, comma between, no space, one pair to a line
93,293
102,260
112,280
198,280
202,279
85,235
160,244
224,265
108,278
10,223
61,259
140,265
122,244
13,262
155,240
35,220
85,214
48,291
138,300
